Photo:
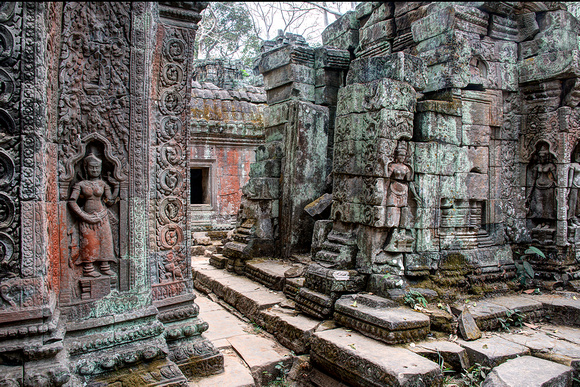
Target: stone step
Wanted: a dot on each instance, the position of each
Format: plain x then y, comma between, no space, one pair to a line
563,307
361,361
266,359
314,304
218,261
529,371
292,286
236,374
292,329
487,313
247,296
492,351
380,318
555,344
270,273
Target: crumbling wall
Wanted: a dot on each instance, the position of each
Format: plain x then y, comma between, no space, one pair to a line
226,127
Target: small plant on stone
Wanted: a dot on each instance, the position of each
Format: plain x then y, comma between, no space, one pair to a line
414,299
280,380
524,271
475,375
256,327
513,318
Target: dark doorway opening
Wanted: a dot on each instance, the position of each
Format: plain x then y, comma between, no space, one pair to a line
199,180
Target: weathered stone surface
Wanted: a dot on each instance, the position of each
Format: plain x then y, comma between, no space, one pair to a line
549,66
288,74
550,344
398,66
454,17
452,353
286,54
359,360
381,318
290,329
467,326
382,30
223,325
236,374
492,351
269,273
529,371
563,308
319,206
262,355
384,93
315,304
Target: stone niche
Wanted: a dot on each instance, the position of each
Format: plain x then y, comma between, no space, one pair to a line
95,279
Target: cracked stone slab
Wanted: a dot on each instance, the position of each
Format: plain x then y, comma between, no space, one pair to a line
381,318
360,360
492,351
236,374
262,355
529,371
549,346
452,353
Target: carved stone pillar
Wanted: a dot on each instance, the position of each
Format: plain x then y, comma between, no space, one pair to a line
31,328
171,280
85,87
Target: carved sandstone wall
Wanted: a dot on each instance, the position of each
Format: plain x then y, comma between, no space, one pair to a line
453,142
95,277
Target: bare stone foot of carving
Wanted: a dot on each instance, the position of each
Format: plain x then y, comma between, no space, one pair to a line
106,268
89,271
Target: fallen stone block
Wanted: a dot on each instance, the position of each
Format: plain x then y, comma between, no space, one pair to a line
362,361
492,351
380,318
266,359
451,353
529,371
468,327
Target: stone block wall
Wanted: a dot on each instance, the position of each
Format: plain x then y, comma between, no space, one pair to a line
292,166
486,109
226,127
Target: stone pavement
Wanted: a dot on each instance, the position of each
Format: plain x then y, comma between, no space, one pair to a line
266,342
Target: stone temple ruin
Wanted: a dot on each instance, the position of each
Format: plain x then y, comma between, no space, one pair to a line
424,147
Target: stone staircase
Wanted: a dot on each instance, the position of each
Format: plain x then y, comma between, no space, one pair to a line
337,248
373,341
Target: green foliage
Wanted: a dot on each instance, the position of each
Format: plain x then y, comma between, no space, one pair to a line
414,298
257,328
513,318
226,32
524,270
475,375
282,373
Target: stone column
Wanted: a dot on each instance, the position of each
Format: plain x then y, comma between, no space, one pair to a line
76,278
170,265
291,167
32,328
